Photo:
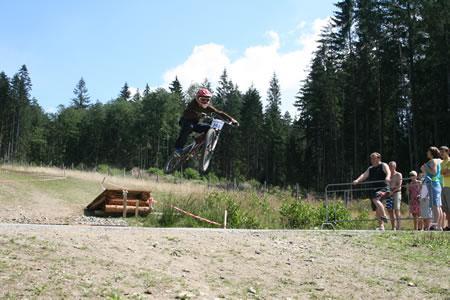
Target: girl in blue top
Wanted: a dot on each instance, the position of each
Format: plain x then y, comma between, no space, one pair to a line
432,170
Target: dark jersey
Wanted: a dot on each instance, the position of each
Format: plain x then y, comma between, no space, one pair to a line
376,173
194,111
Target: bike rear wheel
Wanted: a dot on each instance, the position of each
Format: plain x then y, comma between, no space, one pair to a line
210,144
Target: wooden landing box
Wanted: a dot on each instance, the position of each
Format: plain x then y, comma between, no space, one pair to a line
111,203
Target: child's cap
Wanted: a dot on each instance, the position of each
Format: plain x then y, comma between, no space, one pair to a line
413,173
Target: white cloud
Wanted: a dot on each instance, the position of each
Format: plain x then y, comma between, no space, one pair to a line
134,90
256,65
50,109
206,61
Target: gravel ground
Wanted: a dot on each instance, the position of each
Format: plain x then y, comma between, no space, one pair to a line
54,262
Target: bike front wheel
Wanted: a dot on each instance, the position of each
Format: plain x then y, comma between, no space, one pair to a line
174,162
210,144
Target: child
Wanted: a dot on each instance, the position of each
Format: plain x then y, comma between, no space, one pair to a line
425,209
414,200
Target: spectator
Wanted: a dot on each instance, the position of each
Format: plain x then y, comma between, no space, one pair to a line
379,176
414,200
445,168
425,208
395,198
432,170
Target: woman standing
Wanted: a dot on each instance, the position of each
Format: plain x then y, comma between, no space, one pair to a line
432,170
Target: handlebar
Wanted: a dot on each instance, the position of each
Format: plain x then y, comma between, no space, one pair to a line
206,116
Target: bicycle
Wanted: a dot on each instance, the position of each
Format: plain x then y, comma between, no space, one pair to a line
202,147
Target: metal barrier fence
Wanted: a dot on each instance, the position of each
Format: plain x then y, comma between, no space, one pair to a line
350,192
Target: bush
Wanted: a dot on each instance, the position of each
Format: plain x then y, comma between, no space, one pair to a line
178,175
337,211
103,168
212,178
238,218
254,183
190,173
215,204
155,171
307,215
299,214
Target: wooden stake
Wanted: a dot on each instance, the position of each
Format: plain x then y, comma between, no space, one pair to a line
136,212
225,219
124,193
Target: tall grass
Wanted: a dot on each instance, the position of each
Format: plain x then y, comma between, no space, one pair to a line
246,209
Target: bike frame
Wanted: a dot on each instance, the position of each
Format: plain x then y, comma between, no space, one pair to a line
196,147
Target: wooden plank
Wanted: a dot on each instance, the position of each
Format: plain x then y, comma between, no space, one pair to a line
132,202
130,209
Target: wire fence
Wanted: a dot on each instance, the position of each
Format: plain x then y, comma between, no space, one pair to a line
348,193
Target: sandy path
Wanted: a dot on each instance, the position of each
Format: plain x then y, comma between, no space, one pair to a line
154,263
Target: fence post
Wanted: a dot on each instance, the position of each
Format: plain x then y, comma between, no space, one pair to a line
327,215
326,205
225,219
136,213
124,194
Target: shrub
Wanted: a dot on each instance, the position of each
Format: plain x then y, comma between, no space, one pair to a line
238,218
103,168
178,175
337,211
155,171
299,214
190,173
254,183
212,178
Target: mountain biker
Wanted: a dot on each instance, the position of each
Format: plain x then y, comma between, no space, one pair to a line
189,121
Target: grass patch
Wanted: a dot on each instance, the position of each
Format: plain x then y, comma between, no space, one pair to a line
429,247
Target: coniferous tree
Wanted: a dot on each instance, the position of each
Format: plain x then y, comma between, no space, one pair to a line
252,135
146,90
20,95
275,137
82,98
125,92
224,90
227,98
6,111
177,90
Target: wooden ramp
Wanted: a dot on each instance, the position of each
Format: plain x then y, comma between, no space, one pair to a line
115,202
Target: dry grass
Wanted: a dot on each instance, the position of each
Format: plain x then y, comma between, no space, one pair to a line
127,182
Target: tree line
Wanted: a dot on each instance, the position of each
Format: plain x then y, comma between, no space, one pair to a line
379,81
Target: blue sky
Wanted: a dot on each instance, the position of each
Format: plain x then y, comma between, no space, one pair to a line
110,42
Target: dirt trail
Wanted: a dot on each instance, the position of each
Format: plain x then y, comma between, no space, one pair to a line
151,263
